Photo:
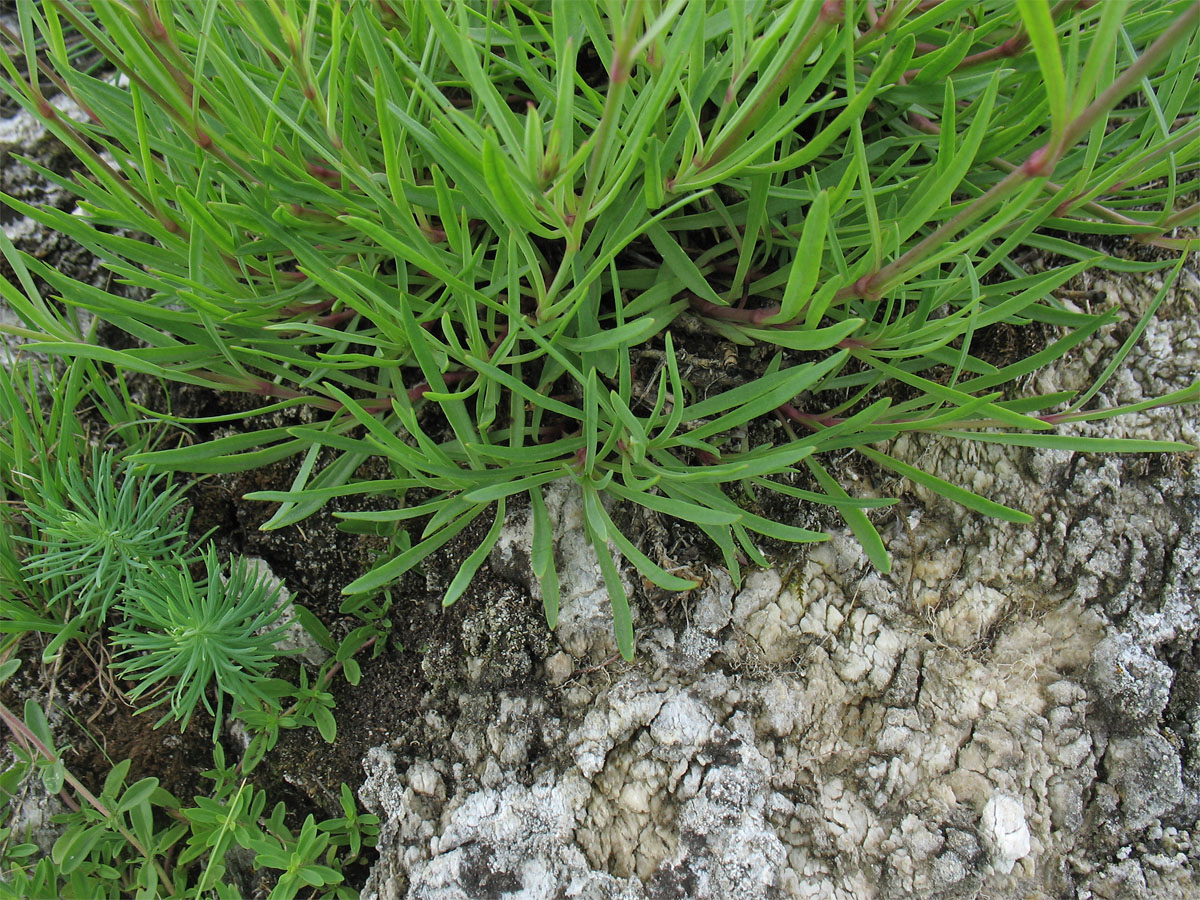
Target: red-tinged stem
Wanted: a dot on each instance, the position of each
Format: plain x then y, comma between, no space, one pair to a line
923,123
1190,215
873,285
619,70
70,134
880,23
264,388
329,176
25,736
333,320
67,92
1183,26
732,313
1009,48
337,667
187,122
161,43
808,420
832,12
854,344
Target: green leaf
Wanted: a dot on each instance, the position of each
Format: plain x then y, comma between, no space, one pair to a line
950,491
542,557
136,794
394,568
618,599
8,667
511,200
805,339
643,563
806,264
677,261
1039,25
53,776
75,846
471,564
681,510
315,627
864,530
1073,442
326,723
36,721
757,398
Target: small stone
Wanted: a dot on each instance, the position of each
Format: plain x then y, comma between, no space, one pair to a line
1133,685
1004,831
424,779
1147,775
559,667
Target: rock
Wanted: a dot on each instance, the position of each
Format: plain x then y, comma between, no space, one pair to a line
1131,684
294,638
1004,831
1146,772
559,667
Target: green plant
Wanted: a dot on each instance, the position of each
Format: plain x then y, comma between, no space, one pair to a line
97,530
184,635
473,240
99,524
139,840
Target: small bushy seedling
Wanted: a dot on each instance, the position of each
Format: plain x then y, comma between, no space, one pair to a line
180,635
58,582
97,529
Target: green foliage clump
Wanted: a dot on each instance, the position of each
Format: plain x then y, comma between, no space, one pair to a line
179,641
96,533
138,840
218,630
472,239
491,245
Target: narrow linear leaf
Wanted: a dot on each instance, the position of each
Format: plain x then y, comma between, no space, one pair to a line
944,488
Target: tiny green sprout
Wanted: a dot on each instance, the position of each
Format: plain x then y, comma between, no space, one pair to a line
95,530
353,830
191,634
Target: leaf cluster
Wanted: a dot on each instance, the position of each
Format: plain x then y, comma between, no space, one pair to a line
189,633
462,235
97,533
138,840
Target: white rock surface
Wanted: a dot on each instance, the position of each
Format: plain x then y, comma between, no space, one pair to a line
1005,832
1013,712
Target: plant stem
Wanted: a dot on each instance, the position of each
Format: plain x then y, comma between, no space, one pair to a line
618,80
1123,84
27,738
832,12
1039,164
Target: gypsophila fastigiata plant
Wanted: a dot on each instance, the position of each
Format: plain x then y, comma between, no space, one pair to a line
180,635
488,242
